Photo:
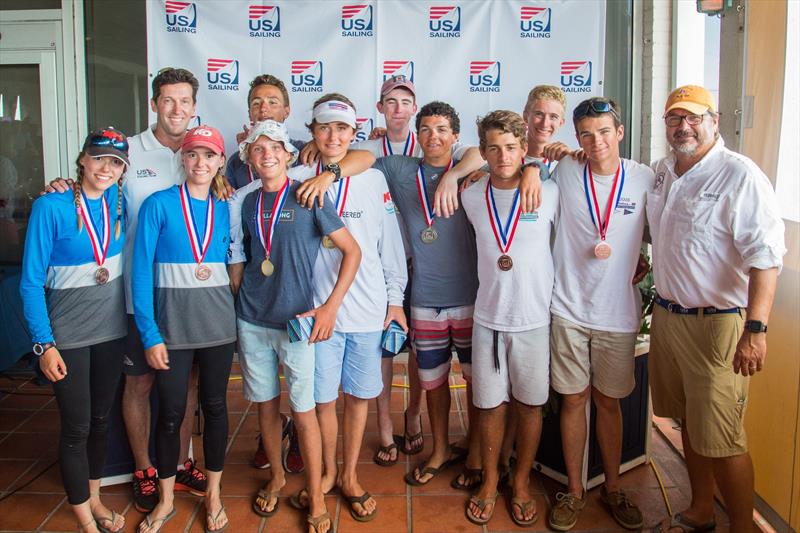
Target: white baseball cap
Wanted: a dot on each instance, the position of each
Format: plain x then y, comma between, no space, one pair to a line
272,130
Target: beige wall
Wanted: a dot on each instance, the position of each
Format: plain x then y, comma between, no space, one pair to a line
773,418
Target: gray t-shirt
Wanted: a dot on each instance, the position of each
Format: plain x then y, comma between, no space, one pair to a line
445,272
271,301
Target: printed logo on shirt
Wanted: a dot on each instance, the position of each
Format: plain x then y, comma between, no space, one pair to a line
222,74
388,203
402,67
576,76
444,22
659,181
534,22
306,76
264,21
625,206
709,196
357,20
365,126
353,214
287,215
145,173
181,16
529,217
484,76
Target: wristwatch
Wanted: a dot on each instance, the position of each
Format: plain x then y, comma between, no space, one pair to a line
335,169
755,326
39,348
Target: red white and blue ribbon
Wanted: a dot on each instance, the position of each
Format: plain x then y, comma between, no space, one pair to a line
199,249
265,236
594,206
99,239
503,234
341,195
408,149
422,189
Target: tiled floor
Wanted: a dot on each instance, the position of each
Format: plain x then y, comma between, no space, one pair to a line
28,445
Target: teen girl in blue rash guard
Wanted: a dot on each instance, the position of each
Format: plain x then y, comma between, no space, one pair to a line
183,308
74,304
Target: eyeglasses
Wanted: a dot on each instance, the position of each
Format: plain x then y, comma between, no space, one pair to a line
596,106
691,119
108,137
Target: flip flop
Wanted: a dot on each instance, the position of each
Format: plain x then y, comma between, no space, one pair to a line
160,521
481,507
360,500
266,495
296,500
386,450
524,506
216,517
677,520
315,521
472,477
400,440
113,520
434,471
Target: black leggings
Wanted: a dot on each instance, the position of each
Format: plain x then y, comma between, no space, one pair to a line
85,397
173,384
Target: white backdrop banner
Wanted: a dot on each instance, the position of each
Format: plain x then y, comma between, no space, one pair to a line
475,55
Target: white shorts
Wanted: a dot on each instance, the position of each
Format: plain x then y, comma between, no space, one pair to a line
521,370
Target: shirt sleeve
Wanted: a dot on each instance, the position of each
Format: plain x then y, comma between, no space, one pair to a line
236,251
151,220
326,219
391,250
35,261
758,229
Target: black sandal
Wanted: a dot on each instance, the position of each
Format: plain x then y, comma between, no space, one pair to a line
401,440
386,450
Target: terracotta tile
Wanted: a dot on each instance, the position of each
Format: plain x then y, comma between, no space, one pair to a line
643,477
501,519
440,514
28,446
26,512
64,519
11,470
240,516
242,480
185,508
379,480
43,421
31,400
10,419
49,481
651,502
391,517
237,402
439,484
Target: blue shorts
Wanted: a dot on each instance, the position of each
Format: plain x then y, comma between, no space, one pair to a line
260,351
352,359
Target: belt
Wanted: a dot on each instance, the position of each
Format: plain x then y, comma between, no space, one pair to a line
672,307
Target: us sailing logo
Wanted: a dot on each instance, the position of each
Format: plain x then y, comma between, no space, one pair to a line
576,76
181,16
306,76
222,74
534,22
484,76
365,126
264,21
444,21
357,20
402,67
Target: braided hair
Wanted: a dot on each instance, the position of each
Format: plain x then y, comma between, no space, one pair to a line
77,199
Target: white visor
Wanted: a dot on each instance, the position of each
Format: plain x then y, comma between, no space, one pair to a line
335,111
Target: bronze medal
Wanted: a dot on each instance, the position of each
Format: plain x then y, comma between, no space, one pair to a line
101,276
428,235
267,268
202,272
505,263
602,250
327,242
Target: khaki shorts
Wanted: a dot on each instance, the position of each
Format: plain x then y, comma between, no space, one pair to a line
692,378
581,356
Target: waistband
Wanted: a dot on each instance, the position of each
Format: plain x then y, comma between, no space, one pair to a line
673,307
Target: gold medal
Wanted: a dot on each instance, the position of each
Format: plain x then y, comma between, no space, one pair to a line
101,276
505,263
267,268
202,272
327,242
602,250
428,235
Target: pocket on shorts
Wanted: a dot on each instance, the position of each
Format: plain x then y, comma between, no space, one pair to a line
724,333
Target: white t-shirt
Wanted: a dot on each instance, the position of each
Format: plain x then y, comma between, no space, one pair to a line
599,293
369,215
517,299
154,167
710,226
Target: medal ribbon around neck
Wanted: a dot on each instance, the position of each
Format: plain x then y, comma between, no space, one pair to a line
408,149
99,241
594,207
422,189
265,236
198,249
504,235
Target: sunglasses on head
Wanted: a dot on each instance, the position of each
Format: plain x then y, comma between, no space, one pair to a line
108,138
594,106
